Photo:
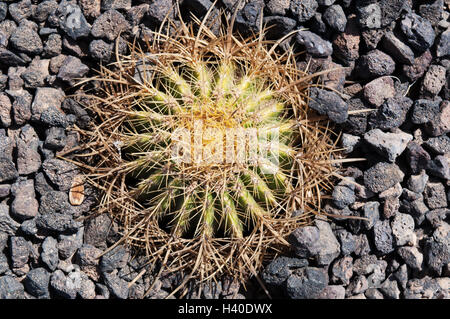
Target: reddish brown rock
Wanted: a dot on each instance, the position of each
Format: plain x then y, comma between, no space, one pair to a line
417,69
434,80
346,44
378,90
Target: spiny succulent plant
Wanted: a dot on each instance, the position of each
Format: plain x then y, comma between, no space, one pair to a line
206,152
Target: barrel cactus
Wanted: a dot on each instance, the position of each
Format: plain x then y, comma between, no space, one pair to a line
206,152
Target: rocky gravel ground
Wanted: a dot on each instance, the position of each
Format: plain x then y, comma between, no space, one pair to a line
394,57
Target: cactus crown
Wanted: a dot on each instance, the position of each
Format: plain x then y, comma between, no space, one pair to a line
206,151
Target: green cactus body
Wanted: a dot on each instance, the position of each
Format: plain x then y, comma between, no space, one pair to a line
205,150
222,98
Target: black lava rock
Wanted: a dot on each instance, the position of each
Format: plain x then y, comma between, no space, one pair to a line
328,103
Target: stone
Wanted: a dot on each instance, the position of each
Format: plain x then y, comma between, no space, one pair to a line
335,17
45,97
436,217
10,288
90,8
70,243
63,286
88,255
28,157
443,47
5,190
344,194
87,288
60,172
24,206
6,145
372,213
101,50
21,110
439,145
158,10
382,176
434,195
279,26
378,90
55,202
279,270
302,10
356,123
434,80
369,16
26,40
424,111
72,20
49,254
389,288
53,116
329,103
419,66
3,11
44,9
357,286
4,266
350,142
5,110
55,139
418,31
248,19
432,11
72,70
111,23
317,24
53,45
7,170
317,242
375,64
411,256
35,75
97,230
306,283
391,10
19,250
417,157
388,145
332,292
382,233
7,224
342,270
114,259
440,124
314,44
9,58
347,241
117,286
346,44
436,255
391,114
37,282
116,4
15,81
57,222
403,229
281,7
397,49
20,10
424,288
440,167
417,183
